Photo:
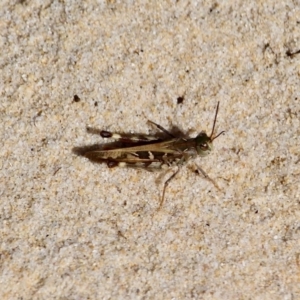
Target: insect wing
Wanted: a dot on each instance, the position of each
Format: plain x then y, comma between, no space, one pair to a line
144,156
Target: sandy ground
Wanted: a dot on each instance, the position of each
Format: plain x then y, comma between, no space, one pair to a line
73,229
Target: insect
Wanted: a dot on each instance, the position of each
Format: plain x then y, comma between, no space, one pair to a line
152,152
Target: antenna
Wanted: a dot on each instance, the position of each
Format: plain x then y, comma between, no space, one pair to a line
215,120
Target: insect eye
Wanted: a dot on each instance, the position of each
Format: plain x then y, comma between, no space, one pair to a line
204,146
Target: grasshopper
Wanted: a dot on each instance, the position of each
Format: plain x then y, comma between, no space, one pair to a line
152,152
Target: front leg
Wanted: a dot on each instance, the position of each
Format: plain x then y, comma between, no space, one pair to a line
200,170
165,187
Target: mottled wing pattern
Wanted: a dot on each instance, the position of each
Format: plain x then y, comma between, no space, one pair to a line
153,155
